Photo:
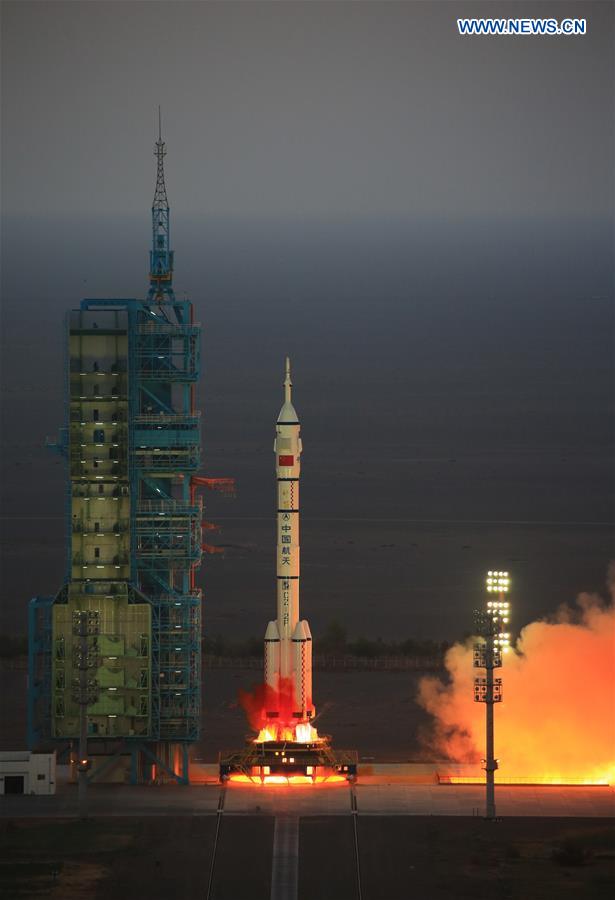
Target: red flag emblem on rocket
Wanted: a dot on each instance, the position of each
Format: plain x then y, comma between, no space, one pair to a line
286,460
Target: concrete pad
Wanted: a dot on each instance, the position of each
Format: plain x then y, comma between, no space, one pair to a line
468,800
296,799
314,800
204,773
397,773
118,800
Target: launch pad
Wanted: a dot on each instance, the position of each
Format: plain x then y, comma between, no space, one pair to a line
315,760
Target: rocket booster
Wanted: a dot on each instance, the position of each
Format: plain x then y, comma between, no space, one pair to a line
288,640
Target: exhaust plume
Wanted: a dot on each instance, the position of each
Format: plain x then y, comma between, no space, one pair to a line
262,697
556,721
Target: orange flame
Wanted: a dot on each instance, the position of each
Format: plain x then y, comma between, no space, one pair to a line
556,720
303,733
285,727
287,779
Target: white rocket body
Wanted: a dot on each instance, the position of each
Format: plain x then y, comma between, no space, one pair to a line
288,640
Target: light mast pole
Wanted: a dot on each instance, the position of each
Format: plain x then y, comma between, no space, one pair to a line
492,643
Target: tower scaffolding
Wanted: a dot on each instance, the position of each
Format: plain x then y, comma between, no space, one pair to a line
132,445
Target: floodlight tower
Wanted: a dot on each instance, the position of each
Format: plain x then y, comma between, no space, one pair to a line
493,642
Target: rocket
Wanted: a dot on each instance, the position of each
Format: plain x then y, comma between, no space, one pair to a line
288,640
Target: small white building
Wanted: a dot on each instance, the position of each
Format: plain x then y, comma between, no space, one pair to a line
22,772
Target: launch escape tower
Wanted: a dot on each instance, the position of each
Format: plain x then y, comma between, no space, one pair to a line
132,449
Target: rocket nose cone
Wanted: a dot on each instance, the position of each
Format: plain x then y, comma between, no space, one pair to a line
299,632
272,633
288,414
306,629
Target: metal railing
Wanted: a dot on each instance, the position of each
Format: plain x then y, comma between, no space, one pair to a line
178,420
163,507
120,559
112,418
81,367
172,330
105,526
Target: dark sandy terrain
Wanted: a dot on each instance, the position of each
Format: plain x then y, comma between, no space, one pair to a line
441,858
444,859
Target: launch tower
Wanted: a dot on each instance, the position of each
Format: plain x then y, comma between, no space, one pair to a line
132,447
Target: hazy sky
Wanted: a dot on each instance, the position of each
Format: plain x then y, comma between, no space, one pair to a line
304,109
424,222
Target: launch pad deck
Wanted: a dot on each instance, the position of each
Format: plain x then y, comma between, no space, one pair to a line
288,758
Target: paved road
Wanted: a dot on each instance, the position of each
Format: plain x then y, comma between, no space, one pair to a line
285,858
308,800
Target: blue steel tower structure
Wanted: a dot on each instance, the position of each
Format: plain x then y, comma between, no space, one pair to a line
132,446
161,255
